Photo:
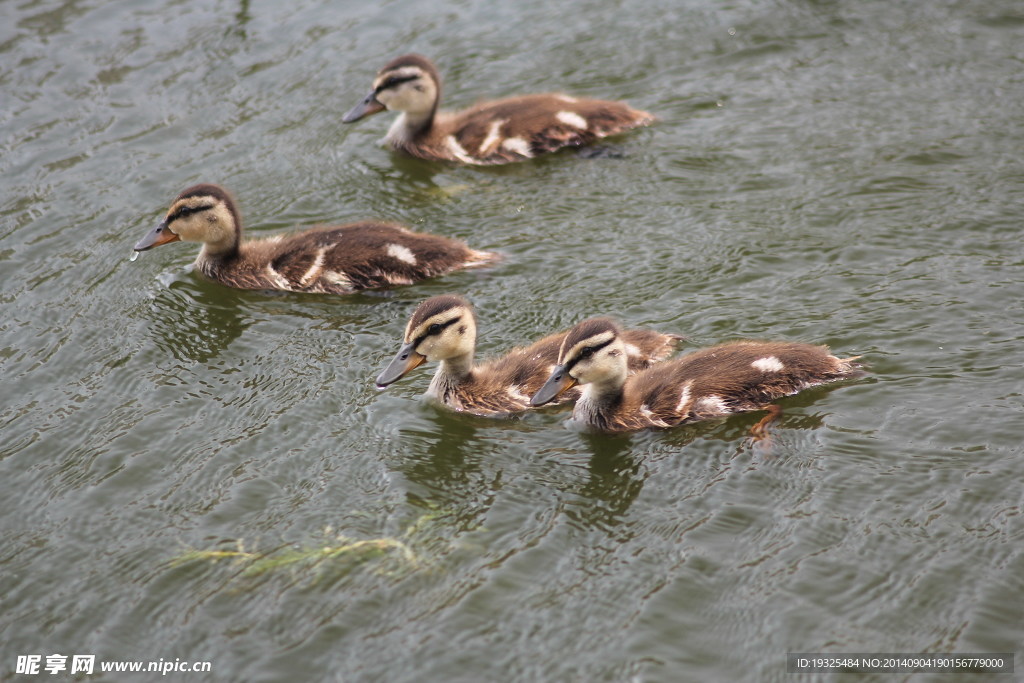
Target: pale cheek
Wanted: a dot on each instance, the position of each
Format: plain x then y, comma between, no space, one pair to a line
186,230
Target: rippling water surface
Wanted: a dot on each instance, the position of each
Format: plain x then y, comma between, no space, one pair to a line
196,473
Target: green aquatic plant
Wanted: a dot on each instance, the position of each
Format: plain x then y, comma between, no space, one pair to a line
336,554
344,554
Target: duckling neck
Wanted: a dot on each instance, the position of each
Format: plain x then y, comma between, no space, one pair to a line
597,402
218,252
408,126
223,243
212,262
451,373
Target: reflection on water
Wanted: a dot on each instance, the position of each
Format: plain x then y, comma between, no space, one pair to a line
242,17
615,478
196,321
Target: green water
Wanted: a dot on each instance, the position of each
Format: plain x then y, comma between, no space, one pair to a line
848,173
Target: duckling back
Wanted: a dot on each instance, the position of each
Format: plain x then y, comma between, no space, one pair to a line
724,379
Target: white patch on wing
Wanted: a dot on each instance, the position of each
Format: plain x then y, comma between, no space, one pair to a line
402,253
713,404
513,391
336,278
518,146
396,279
493,137
572,119
566,98
632,350
315,269
768,364
279,280
645,411
684,399
458,151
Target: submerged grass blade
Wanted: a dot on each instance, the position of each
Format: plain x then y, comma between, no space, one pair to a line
346,555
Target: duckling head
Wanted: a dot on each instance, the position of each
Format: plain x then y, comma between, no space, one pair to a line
592,353
442,328
203,213
408,84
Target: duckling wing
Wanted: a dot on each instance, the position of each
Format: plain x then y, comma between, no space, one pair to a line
644,348
529,367
742,376
522,371
366,255
522,127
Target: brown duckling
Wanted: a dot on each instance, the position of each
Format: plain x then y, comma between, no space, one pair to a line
443,328
727,378
497,132
335,260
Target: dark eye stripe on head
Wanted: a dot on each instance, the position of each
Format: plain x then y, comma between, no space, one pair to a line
437,328
583,353
188,211
395,81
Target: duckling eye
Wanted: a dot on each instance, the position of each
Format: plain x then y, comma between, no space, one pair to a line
189,210
396,81
587,352
435,328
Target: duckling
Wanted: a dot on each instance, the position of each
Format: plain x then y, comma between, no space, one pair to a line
498,132
334,260
443,328
719,380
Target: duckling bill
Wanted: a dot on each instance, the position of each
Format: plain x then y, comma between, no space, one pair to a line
497,132
720,380
443,329
333,260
